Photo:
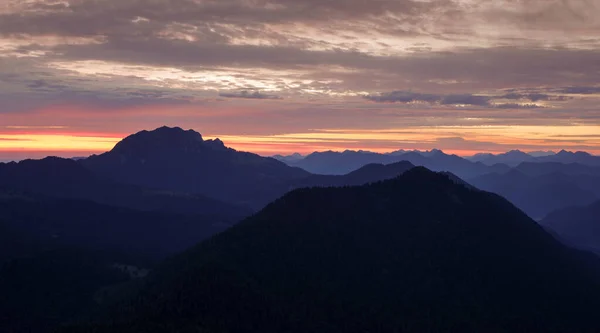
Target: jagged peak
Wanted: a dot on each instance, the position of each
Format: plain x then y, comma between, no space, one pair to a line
216,144
162,137
564,152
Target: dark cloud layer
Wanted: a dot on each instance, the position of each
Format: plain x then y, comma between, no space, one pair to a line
460,99
248,95
580,90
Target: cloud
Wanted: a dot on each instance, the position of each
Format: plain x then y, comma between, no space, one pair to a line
13,139
321,55
534,97
403,97
408,97
466,99
248,95
580,90
517,106
456,99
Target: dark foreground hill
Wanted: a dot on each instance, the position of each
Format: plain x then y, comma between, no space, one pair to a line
578,226
64,284
419,253
57,255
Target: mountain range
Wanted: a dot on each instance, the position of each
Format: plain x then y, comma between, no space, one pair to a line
330,162
418,253
376,242
177,171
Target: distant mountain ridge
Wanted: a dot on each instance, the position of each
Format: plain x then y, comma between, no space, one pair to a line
332,162
337,163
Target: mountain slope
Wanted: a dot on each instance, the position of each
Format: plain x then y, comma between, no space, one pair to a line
174,159
536,195
37,223
65,178
418,253
544,168
577,226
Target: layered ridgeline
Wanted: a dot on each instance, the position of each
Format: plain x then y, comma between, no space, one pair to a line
68,179
418,253
338,163
516,157
578,226
72,240
330,162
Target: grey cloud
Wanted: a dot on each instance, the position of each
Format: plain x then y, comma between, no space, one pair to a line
454,99
117,17
534,97
408,97
248,95
403,97
466,99
502,66
517,106
580,90
43,85
215,24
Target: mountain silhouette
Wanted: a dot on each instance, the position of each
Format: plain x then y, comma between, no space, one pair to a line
577,226
564,156
178,160
339,163
510,158
336,163
65,178
418,253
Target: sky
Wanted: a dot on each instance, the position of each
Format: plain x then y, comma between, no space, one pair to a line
283,76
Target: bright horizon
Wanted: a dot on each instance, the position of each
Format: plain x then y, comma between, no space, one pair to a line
25,145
